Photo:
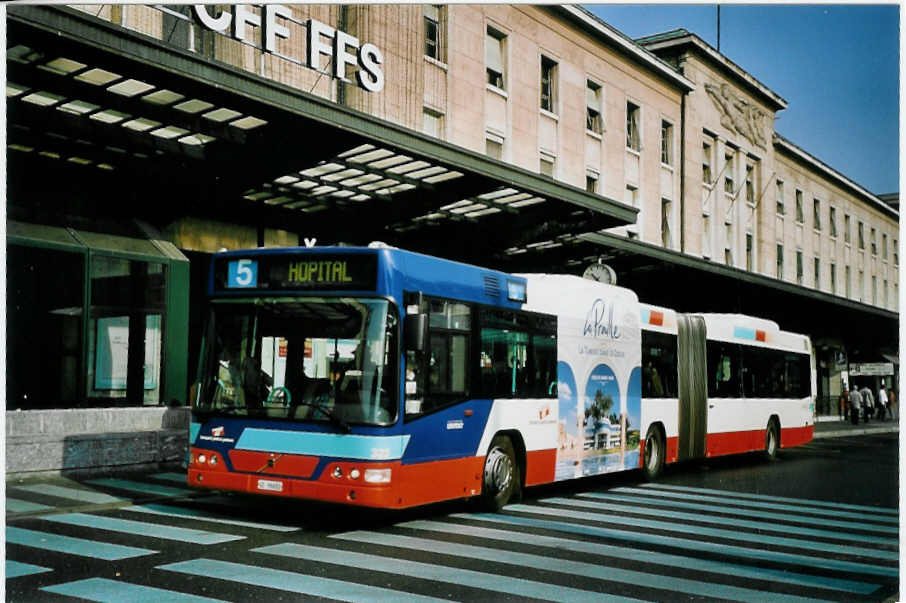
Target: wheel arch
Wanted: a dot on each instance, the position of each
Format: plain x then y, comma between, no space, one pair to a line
775,419
518,443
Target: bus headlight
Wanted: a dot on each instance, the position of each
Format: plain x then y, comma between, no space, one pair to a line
377,476
213,460
355,474
202,458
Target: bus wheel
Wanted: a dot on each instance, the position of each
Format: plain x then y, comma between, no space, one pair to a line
771,440
653,461
501,474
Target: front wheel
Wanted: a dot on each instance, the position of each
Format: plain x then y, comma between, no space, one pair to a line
501,482
655,452
771,441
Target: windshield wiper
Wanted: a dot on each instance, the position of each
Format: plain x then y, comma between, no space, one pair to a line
334,419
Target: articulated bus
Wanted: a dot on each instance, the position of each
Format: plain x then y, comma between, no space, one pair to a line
385,378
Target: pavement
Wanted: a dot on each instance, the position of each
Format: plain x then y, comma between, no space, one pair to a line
837,428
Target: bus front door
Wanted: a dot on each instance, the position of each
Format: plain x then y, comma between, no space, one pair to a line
693,387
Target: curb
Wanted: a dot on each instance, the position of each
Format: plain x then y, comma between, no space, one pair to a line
857,431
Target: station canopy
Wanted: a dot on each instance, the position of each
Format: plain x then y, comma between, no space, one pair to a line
148,130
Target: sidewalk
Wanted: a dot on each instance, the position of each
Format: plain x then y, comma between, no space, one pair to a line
837,428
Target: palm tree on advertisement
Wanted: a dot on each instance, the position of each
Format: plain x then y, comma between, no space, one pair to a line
598,411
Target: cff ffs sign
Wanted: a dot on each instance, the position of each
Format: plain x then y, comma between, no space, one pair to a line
340,48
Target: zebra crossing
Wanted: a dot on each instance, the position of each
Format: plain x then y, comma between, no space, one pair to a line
651,542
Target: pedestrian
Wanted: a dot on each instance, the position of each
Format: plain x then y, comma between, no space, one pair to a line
844,403
891,399
855,405
882,403
868,401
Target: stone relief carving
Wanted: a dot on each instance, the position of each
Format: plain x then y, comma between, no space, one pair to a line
739,115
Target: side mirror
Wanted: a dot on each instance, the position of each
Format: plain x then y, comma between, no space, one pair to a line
415,327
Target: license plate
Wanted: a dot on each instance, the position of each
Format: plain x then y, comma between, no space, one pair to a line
271,485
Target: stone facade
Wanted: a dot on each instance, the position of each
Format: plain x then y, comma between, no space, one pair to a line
733,218
93,440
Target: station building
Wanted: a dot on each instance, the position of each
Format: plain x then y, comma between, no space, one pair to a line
142,139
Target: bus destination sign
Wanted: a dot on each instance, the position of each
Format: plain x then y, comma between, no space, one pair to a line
297,272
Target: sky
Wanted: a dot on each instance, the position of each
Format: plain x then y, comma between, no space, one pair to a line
836,65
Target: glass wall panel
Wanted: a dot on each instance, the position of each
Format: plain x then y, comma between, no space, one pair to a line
125,325
45,289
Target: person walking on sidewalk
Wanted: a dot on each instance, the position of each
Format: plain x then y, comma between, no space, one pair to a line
882,403
855,405
891,400
868,401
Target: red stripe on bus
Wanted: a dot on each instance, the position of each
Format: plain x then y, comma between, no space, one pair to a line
795,436
540,466
733,442
760,336
656,318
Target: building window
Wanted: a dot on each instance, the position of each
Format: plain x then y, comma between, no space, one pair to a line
832,221
666,235
706,236
896,254
494,146
781,210
799,267
593,121
591,181
632,196
816,215
779,261
874,242
833,278
884,246
728,246
847,236
861,233
729,187
885,293
707,151
548,84
666,143
861,285
817,273
434,46
432,123
633,136
750,261
494,58
799,214
847,277
546,165
750,184
874,290
632,199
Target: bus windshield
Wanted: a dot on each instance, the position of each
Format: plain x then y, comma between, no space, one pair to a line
312,359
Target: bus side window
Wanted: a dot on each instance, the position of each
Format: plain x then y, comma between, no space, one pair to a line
724,364
659,368
518,354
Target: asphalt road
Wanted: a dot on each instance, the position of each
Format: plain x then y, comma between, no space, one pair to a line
819,523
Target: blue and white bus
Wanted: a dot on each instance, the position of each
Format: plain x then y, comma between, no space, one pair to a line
386,378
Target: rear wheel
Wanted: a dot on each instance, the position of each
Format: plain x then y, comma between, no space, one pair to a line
771,440
653,459
502,482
